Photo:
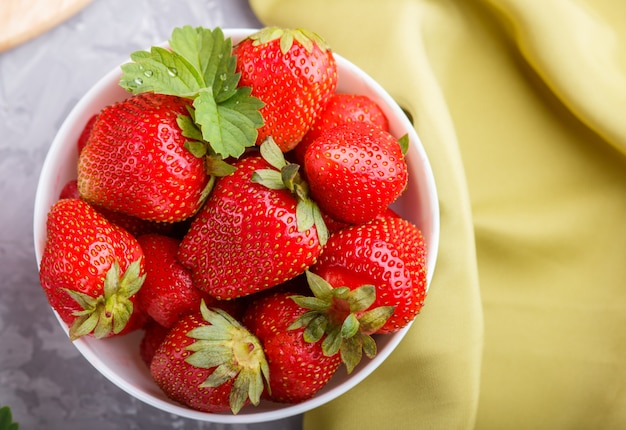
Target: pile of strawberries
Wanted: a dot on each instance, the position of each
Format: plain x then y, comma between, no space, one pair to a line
236,208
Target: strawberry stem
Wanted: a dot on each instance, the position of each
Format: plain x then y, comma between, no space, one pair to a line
287,176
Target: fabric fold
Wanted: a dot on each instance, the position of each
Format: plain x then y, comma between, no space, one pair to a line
578,53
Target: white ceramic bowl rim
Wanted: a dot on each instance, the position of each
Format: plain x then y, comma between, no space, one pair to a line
123,371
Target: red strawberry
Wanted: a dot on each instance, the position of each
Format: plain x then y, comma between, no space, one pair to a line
84,135
294,73
152,338
332,224
70,190
388,253
355,171
168,292
210,363
247,237
342,108
136,162
298,369
137,226
133,225
91,271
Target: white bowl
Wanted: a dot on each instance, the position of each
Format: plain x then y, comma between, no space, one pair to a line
118,358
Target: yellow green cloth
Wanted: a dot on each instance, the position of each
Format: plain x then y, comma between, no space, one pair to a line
521,105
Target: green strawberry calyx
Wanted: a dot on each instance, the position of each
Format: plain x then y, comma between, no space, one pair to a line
344,316
404,144
285,175
109,312
286,37
199,65
234,352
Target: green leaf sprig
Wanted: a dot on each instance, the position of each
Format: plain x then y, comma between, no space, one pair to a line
199,65
6,419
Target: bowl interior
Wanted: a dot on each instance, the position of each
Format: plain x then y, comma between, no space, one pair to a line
118,358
